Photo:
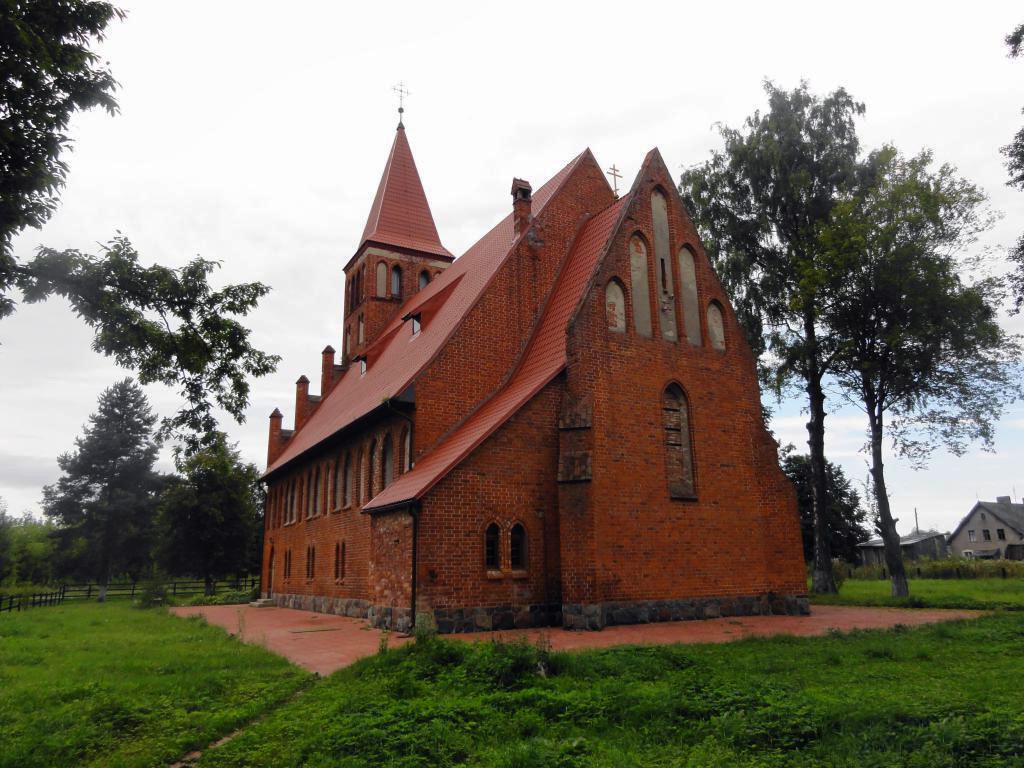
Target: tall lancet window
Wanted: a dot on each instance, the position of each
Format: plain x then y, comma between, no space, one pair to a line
639,286
678,449
663,267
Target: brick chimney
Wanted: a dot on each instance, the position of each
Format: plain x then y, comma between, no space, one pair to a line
326,370
522,201
301,401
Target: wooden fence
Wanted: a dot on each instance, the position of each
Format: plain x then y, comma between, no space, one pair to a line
121,589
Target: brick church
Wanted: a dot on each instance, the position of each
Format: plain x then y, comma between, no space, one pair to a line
560,427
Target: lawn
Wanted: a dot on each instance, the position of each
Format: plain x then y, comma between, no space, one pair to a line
932,593
943,695
110,685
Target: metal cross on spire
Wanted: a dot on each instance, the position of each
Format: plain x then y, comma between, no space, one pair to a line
402,92
614,173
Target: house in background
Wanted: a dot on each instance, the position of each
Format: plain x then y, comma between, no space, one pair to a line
991,530
915,546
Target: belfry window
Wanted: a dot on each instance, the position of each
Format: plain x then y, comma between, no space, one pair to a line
424,279
678,451
492,547
382,279
517,547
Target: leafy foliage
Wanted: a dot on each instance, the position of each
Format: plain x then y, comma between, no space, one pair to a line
846,518
167,324
47,74
1014,152
26,550
211,520
103,503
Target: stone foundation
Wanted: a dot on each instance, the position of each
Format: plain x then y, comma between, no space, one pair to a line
339,606
460,620
601,615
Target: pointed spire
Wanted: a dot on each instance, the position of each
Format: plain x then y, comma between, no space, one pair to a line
400,214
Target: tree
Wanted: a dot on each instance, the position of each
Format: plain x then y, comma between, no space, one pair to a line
846,518
103,503
168,325
211,519
921,351
31,552
1014,152
5,540
760,204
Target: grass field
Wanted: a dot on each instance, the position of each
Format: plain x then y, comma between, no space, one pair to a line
932,593
109,685
945,695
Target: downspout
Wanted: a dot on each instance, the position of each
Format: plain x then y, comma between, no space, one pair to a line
414,512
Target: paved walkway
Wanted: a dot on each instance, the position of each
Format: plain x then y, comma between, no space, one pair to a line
324,643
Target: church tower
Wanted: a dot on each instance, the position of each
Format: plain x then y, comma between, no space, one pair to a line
399,254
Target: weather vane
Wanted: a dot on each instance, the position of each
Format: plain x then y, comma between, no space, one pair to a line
614,173
402,92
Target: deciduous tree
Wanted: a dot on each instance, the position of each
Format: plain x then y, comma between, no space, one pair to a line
1014,152
920,347
104,502
760,203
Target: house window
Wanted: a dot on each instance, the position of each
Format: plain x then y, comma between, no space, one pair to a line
415,324
615,306
986,534
678,450
382,279
1001,534
387,460
971,536
716,328
492,538
396,282
517,549
424,279
639,286
348,480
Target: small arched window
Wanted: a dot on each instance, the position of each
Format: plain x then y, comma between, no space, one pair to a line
396,281
492,547
387,460
424,279
517,547
615,306
407,450
678,450
347,495
382,279
716,328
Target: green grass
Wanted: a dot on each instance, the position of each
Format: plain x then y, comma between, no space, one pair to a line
109,685
945,695
932,593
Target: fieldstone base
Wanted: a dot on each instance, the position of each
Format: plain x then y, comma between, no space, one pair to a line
601,615
479,619
339,606
387,617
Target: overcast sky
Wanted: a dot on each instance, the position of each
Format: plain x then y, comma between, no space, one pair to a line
255,134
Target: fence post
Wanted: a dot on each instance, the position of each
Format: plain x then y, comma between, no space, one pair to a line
133,589
88,591
1003,569
174,587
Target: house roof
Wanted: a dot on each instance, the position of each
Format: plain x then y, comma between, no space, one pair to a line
911,538
542,360
397,357
400,214
1011,514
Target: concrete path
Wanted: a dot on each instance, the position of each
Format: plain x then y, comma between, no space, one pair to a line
323,643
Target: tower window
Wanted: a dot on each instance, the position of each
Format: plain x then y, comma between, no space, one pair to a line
382,279
492,540
396,282
424,279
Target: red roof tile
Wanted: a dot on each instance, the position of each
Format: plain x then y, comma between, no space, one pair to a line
543,359
402,356
400,214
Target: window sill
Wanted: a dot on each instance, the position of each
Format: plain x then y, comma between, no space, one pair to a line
495,575
520,574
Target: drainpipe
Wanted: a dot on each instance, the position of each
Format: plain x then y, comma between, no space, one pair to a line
414,512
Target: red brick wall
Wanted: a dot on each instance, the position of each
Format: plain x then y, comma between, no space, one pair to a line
631,541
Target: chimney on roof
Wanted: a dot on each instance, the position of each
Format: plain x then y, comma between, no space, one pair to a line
301,401
522,202
1003,501
274,443
326,370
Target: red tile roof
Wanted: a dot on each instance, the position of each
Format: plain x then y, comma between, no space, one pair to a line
398,356
400,214
543,359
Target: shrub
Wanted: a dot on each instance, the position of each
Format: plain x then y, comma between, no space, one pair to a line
152,592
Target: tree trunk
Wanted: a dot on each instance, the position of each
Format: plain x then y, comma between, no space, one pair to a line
886,525
822,580
209,586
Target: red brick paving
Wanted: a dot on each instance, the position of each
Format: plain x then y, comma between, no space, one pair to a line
324,643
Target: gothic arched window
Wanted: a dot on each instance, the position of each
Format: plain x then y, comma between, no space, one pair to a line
382,279
688,296
372,480
407,449
663,267
424,279
615,306
337,484
492,547
716,328
517,547
387,460
678,449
